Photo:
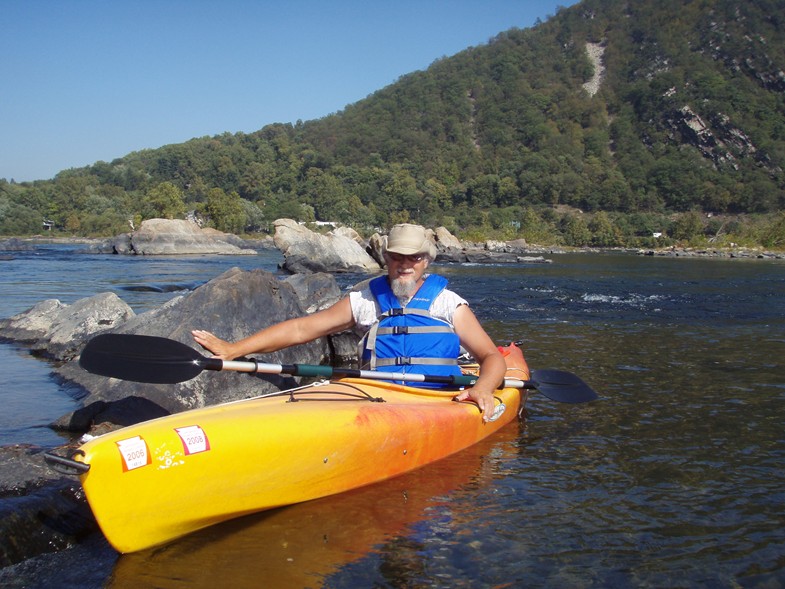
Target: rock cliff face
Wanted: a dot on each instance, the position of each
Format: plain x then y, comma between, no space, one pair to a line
713,133
724,49
717,138
744,53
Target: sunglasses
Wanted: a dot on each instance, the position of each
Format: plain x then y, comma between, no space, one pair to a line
414,258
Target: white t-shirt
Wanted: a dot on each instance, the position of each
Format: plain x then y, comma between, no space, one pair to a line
366,310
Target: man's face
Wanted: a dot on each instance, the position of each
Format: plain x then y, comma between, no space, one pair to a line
406,272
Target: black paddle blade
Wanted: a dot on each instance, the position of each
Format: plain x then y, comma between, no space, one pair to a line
141,358
562,386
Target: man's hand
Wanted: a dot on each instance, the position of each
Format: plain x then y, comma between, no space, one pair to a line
484,400
220,348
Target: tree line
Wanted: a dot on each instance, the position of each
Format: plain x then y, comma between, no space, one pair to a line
685,140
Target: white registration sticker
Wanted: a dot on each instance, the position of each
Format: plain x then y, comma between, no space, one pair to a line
194,439
134,452
497,412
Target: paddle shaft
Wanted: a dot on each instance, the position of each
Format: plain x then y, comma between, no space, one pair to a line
330,371
157,360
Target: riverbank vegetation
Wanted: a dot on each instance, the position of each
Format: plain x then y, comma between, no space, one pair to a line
612,124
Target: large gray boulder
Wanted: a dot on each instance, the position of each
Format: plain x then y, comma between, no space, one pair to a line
307,251
446,240
233,305
80,321
319,291
448,247
177,237
33,324
59,331
315,291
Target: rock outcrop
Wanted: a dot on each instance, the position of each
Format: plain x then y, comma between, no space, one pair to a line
58,331
15,244
451,250
595,51
158,237
232,306
41,511
307,251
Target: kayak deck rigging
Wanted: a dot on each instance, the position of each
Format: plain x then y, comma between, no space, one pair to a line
310,393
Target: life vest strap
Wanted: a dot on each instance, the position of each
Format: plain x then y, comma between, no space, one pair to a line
369,340
408,360
407,329
398,311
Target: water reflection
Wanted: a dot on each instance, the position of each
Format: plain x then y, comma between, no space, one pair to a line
302,545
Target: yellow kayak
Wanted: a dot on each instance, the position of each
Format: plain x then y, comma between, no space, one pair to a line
159,480
301,545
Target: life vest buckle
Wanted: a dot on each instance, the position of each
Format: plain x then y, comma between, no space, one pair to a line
401,329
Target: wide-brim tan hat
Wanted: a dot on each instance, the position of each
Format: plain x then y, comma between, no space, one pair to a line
409,240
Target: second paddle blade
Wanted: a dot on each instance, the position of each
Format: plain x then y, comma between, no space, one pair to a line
563,386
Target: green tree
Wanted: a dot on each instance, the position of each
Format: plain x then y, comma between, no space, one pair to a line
688,226
400,190
535,229
774,232
73,223
286,206
575,231
436,196
226,211
17,219
603,232
327,196
165,201
256,220
357,214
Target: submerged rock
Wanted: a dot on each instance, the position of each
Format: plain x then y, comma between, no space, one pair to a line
41,511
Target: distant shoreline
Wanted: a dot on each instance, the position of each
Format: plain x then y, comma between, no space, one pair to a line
668,252
45,239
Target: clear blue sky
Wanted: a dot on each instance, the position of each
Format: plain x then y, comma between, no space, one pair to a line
90,80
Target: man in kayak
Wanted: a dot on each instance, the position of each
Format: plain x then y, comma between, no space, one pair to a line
412,323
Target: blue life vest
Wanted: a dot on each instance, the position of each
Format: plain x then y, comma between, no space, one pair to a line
408,339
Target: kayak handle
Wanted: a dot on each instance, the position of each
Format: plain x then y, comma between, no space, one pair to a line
66,465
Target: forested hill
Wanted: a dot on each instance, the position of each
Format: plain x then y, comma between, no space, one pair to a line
620,111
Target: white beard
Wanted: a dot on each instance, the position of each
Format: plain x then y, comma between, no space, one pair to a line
403,289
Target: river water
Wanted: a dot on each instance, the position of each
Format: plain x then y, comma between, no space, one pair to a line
673,478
